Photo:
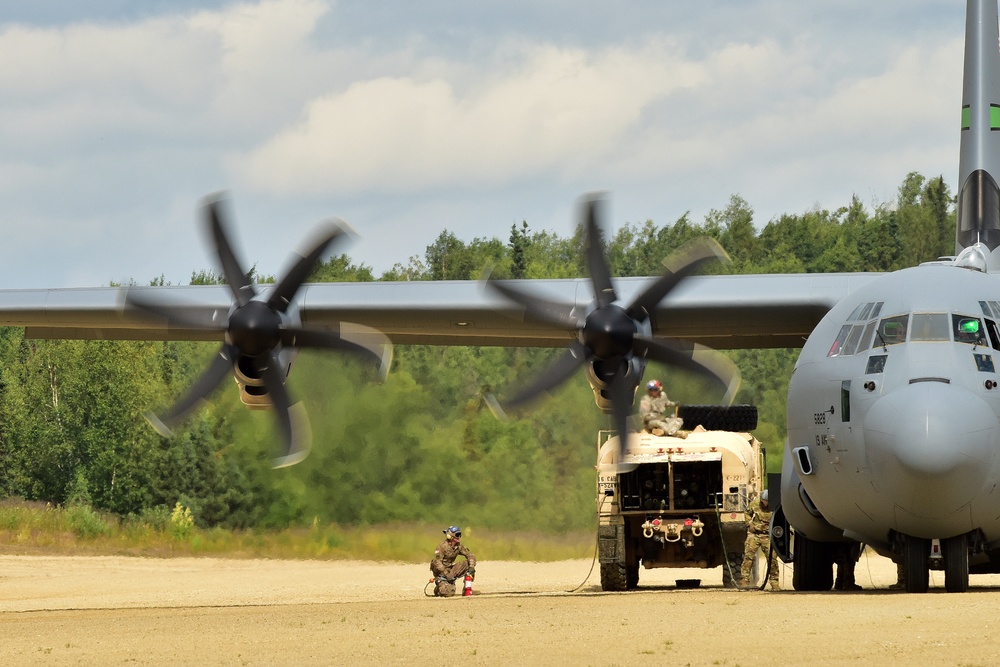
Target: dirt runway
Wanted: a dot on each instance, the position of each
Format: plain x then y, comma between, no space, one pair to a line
110,610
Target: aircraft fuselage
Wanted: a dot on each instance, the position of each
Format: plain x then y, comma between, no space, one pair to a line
894,413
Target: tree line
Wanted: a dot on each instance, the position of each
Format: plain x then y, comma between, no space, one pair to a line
423,445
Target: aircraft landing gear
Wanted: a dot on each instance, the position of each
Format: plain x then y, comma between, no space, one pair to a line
813,564
916,552
956,563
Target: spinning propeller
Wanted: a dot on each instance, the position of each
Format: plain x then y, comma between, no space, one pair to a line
616,339
262,331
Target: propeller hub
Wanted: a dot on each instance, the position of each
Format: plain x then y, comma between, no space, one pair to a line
608,332
254,328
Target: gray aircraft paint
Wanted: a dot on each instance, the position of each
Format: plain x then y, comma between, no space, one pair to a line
979,161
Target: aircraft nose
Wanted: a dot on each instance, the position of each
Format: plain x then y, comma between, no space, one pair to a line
931,445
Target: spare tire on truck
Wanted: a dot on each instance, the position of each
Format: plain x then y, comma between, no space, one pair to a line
735,418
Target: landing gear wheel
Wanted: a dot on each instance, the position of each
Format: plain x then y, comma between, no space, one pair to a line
812,569
956,563
916,551
613,576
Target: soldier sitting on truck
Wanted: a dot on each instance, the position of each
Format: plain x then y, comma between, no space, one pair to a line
444,566
653,409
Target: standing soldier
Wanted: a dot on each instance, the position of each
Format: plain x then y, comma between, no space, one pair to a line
759,537
446,571
653,409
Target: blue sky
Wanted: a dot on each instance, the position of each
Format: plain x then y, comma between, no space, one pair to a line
406,119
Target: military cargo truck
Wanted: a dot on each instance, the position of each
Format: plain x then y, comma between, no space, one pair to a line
667,501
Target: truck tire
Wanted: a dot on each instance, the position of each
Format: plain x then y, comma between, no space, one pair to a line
731,570
734,418
613,576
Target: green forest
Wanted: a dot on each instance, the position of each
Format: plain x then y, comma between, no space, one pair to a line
421,446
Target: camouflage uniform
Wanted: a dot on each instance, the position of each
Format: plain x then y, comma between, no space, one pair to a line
654,414
446,571
900,577
758,537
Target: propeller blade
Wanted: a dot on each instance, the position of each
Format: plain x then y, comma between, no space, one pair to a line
284,292
558,372
622,391
610,335
368,342
234,274
597,263
494,406
222,365
702,360
293,423
688,259
538,309
174,314
727,372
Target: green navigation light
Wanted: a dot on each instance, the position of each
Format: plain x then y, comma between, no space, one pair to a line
966,117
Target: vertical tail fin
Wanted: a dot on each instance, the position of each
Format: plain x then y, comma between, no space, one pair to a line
979,160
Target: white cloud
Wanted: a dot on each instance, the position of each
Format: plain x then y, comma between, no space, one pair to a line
113,128
557,109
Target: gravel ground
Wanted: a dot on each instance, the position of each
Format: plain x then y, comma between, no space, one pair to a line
184,611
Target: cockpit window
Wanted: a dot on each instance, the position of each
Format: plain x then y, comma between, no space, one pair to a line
866,337
856,312
876,309
991,329
838,345
876,363
984,362
892,330
968,329
929,326
852,339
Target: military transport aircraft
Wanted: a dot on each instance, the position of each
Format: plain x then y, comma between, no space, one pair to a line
893,406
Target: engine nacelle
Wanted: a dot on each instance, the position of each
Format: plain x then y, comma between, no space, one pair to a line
600,378
253,393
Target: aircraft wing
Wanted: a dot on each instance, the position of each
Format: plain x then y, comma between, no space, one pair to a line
724,312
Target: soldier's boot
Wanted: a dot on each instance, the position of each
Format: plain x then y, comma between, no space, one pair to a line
444,587
682,434
846,582
900,579
775,586
658,431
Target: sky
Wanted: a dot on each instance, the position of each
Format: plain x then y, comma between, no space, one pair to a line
406,119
